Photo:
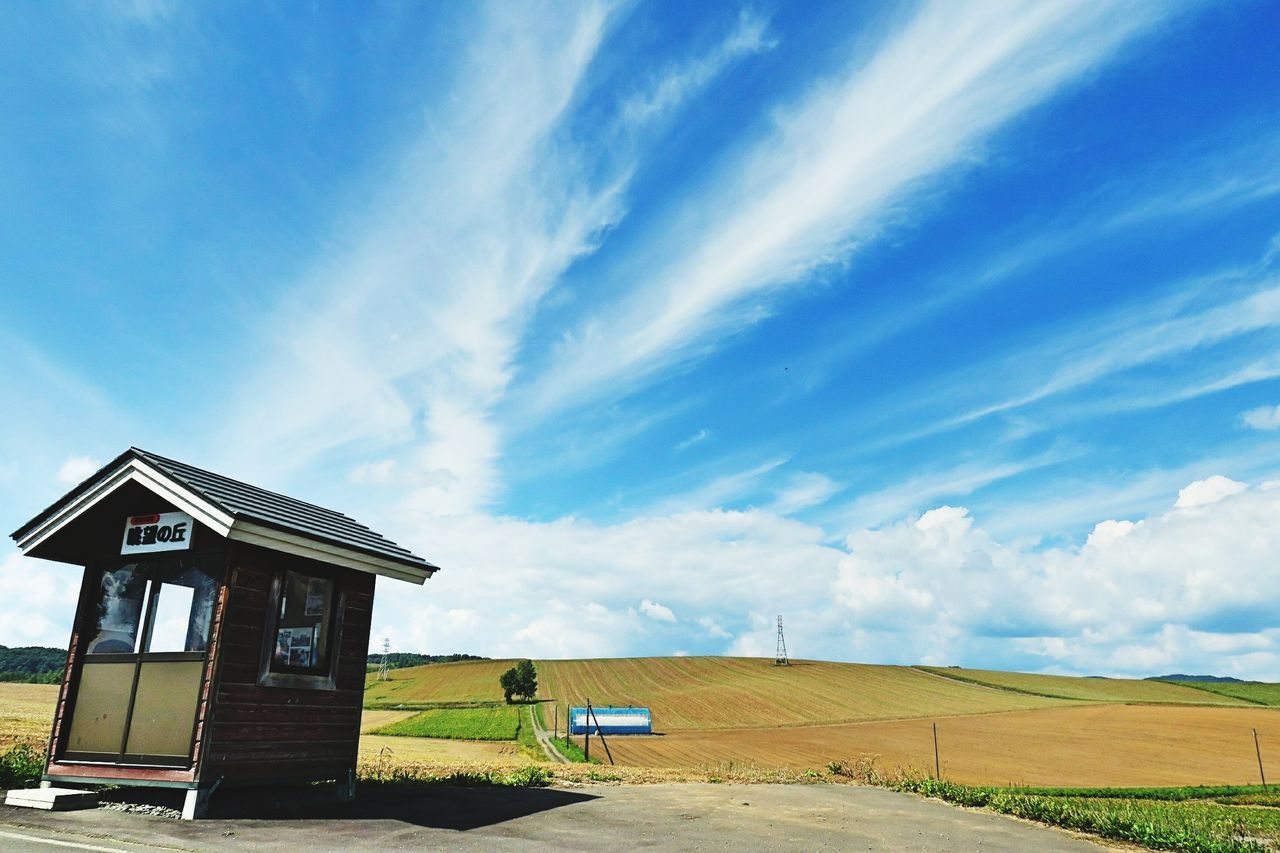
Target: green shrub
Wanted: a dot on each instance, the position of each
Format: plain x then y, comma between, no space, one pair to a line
21,766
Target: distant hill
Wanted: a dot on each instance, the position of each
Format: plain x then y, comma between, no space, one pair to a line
1207,679
32,664
399,660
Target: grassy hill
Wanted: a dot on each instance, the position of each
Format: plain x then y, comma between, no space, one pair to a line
465,681
1091,689
706,693
1255,692
687,693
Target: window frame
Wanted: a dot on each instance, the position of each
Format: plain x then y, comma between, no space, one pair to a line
214,563
325,679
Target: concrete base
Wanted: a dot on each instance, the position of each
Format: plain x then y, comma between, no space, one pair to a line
52,799
196,804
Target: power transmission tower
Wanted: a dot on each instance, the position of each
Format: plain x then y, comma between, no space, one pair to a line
384,668
780,657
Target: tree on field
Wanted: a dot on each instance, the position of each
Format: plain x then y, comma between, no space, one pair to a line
521,680
510,683
527,678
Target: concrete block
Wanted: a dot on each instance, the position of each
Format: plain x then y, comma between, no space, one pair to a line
52,799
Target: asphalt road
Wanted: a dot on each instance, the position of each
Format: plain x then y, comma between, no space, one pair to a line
667,817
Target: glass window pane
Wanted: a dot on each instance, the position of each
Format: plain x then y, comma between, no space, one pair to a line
181,608
170,618
119,611
302,630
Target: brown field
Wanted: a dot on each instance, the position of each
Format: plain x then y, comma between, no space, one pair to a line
26,712
1090,745
728,715
370,720
464,681
729,693
1091,689
423,750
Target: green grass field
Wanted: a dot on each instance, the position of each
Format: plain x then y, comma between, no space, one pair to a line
1186,819
1088,689
1250,691
497,722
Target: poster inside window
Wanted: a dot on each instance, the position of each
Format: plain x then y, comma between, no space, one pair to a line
303,624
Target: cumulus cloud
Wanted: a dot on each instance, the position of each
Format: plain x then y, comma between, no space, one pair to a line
1137,597
657,612
1208,491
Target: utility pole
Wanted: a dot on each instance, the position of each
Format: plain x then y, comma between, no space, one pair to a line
780,657
384,668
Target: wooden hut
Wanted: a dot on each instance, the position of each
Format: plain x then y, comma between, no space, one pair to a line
221,635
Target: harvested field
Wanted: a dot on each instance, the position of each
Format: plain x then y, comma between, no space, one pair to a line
722,693
1089,689
26,712
464,681
1084,746
398,751
370,720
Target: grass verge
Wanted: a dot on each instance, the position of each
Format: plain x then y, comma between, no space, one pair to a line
572,751
525,735
1192,819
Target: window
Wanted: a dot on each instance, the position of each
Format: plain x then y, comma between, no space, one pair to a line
173,598
304,625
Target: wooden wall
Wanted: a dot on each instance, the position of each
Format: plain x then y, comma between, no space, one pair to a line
263,734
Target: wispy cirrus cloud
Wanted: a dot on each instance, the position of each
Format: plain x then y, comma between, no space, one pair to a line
675,85
829,174
404,337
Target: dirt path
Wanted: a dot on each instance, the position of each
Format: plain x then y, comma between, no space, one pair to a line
544,740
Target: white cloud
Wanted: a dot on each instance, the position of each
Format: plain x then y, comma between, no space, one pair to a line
1165,592
1208,491
803,490
712,628
828,174
39,600
719,491
1263,417
697,438
533,581
657,612
678,84
401,342
76,468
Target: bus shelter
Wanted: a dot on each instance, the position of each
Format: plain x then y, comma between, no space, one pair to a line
221,635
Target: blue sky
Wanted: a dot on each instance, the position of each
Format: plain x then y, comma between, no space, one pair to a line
949,331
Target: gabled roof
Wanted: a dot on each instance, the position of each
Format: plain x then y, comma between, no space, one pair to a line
237,511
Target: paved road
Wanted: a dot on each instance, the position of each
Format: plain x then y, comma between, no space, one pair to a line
668,817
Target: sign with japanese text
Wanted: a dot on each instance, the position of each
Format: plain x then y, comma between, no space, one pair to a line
166,531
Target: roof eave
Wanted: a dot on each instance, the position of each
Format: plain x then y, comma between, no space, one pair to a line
86,496
129,466
255,533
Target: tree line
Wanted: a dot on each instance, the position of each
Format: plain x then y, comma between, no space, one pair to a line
32,664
